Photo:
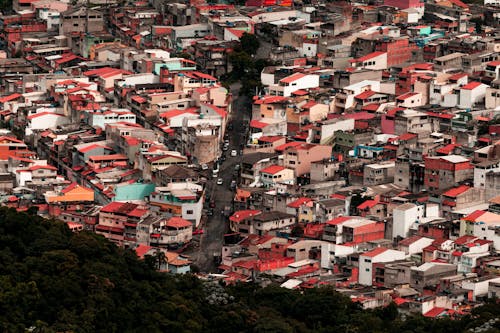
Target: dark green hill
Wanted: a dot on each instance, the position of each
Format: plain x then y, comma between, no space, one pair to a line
53,280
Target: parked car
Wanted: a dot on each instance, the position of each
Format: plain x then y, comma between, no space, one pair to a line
236,167
198,232
212,204
220,181
204,166
234,153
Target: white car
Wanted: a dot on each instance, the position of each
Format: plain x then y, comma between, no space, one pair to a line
204,166
234,153
220,181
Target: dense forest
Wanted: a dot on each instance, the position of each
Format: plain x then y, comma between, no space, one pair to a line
53,280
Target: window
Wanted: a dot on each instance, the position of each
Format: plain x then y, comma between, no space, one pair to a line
189,212
367,269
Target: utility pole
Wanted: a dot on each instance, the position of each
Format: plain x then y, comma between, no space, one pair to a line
87,17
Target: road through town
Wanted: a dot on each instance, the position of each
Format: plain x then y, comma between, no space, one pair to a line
216,226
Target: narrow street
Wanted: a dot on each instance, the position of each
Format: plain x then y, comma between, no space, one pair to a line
212,239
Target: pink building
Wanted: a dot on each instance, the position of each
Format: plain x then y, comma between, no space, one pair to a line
404,4
299,157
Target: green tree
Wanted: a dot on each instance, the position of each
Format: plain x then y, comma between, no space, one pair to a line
249,43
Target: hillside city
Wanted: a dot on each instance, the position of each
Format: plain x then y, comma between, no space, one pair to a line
299,143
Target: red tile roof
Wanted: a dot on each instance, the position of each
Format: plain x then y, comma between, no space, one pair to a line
338,220
399,300
283,147
367,204
175,113
39,167
273,169
459,4
457,76
270,139
236,32
299,202
471,85
119,207
435,312
178,222
300,92
406,96
375,252
142,249
308,105
270,100
242,215
473,216
41,114
446,150
138,99
410,240
92,147
454,192
462,240
365,94
368,56
10,97
407,136
258,124
371,107
292,78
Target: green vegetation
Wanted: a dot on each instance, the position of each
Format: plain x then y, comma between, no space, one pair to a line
246,68
52,280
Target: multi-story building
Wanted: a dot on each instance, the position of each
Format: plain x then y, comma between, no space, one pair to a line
162,232
379,173
118,222
299,157
182,199
442,172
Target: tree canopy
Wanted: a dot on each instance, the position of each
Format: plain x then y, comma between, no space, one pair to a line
53,280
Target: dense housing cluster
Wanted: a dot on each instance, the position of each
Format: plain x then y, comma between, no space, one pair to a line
301,143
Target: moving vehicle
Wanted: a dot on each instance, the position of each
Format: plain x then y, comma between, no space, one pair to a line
234,153
220,181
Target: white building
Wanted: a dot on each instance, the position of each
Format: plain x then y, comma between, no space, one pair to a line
367,259
101,119
45,120
374,60
410,100
479,286
345,99
472,94
332,254
294,82
329,127
404,216
276,174
414,245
